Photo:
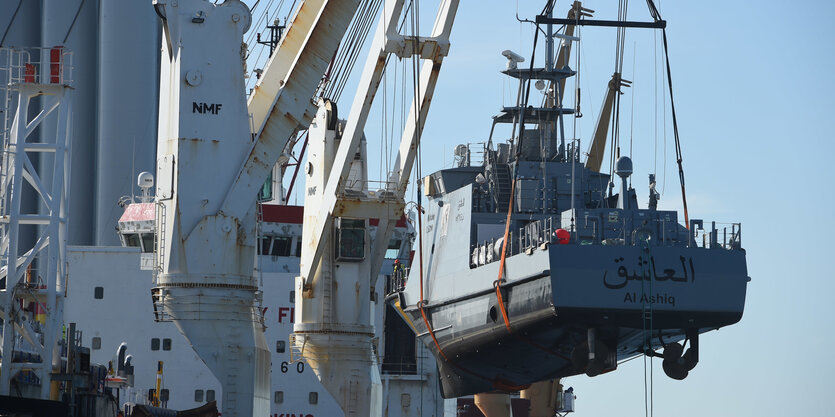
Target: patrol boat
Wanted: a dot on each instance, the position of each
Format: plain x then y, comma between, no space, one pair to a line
535,264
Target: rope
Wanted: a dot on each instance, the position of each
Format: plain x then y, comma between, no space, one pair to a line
498,283
647,336
14,15
78,12
657,16
522,107
498,383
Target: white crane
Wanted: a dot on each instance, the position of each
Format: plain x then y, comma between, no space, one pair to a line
333,328
210,167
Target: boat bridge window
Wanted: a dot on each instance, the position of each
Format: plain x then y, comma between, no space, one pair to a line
166,344
210,395
350,240
155,344
198,395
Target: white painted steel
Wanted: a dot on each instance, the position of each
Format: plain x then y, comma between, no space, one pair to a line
320,224
283,102
34,272
386,41
333,328
205,276
205,155
410,140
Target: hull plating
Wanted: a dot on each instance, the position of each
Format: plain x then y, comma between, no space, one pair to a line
630,296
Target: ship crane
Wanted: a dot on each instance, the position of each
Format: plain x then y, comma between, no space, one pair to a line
215,151
333,329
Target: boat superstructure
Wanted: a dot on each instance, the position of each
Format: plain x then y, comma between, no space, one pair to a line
535,265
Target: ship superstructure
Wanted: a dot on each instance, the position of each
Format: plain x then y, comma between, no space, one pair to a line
102,303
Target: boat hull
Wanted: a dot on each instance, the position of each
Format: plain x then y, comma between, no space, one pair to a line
632,297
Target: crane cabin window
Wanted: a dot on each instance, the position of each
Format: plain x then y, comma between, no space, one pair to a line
350,240
147,242
131,240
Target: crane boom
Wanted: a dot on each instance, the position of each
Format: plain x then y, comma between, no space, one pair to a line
333,329
601,129
282,103
386,41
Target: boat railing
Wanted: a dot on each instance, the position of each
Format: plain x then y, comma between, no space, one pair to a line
658,232
537,233
465,157
719,236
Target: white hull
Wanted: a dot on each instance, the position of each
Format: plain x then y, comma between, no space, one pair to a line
125,314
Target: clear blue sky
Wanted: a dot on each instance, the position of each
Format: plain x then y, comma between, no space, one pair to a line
754,95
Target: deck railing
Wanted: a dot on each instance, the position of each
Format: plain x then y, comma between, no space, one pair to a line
719,236
658,232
